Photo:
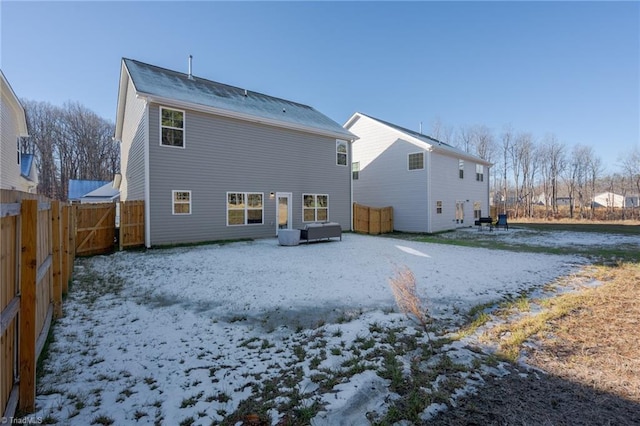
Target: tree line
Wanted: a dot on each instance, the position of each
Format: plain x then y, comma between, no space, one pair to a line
530,171
69,142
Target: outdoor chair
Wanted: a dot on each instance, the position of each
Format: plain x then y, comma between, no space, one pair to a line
502,221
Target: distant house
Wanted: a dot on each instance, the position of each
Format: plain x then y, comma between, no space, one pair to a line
214,162
431,186
608,199
17,170
80,188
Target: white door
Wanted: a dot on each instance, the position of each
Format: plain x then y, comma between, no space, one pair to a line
459,211
284,213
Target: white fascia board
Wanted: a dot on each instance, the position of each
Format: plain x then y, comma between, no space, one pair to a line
122,97
16,106
240,116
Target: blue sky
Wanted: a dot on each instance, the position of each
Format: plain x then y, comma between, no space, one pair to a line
568,68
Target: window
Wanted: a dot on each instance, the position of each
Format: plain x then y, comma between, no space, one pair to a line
18,146
355,170
438,207
181,202
341,153
416,161
461,169
315,207
244,208
477,210
171,127
479,172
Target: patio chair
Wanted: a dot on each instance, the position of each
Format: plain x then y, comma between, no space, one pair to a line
502,221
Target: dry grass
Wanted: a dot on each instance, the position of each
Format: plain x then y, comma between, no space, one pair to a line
587,343
597,344
405,292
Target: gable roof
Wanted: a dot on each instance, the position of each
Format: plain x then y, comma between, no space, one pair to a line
432,143
106,191
81,187
166,86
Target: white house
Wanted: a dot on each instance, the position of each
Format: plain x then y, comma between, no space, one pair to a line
609,199
431,186
17,169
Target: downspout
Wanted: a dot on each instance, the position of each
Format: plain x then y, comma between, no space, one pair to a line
429,200
351,185
147,191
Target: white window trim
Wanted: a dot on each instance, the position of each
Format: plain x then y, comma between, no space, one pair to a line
439,206
355,168
408,161
346,153
184,127
315,209
18,148
174,202
246,208
460,168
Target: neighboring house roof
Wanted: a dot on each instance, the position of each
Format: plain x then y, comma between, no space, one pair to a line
162,85
608,199
78,188
14,102
106,191
26,162
432,143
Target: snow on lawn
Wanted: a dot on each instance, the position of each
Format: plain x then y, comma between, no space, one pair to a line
194,335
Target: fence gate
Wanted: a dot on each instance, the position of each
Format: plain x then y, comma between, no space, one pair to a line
372,220
95,228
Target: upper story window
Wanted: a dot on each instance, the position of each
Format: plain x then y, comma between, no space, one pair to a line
181,202
355,170
341,153
461,169
171,127
479,172
18,145
416,161
439,207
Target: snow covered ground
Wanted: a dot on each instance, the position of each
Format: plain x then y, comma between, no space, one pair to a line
192,335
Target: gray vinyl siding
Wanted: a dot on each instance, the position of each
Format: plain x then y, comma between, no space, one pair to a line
133,142
226,155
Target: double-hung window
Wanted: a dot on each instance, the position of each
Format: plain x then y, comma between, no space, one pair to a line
438,207
315,207
18,145
461,169
341,153
355,170
245,208
479,172
181,202
171,127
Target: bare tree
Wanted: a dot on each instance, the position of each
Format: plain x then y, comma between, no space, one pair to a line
69,142
631,168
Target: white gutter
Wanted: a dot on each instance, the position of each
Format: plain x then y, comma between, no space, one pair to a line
246,117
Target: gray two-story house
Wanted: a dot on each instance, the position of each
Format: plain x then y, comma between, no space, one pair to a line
216,162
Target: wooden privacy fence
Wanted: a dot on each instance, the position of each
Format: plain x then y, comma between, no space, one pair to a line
372,220
97,227
37,252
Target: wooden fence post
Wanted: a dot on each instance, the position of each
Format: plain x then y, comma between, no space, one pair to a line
28,273
56,238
